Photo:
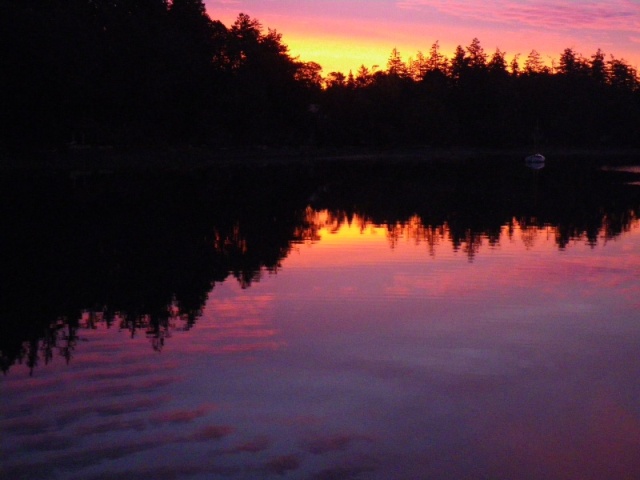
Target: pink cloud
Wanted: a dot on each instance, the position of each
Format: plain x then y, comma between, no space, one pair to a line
111,426
211,432
224,3
605,15
281,465
335,443
256,445
182,416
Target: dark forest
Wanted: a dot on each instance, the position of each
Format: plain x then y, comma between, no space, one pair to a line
158,72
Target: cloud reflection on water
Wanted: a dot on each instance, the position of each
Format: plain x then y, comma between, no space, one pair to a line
520,363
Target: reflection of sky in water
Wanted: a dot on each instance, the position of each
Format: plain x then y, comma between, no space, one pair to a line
357,360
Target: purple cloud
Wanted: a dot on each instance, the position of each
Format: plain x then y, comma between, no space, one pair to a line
281,465
256,445
604,15
169,472
25,426
46,442
117,425
342,473
211,432
181,416
340,442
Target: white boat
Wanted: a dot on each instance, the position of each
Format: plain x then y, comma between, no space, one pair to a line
535,161
535,158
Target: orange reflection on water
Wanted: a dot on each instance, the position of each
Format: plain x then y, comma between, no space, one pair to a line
344,229
372,341
328,230
353,257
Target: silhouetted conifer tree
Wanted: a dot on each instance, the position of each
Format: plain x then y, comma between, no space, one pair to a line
598,67
534,64
418,67
436,61
476,58
459,63
497,63
514,65
395,65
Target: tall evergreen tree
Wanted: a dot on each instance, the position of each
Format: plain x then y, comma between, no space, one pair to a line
476,57
459,63
598,67
395,66
419,66
534,64
363,76
514,65
622,75
497,63
436,61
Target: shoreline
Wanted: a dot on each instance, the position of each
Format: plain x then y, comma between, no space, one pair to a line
196,158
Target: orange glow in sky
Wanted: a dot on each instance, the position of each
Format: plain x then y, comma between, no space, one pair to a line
342,35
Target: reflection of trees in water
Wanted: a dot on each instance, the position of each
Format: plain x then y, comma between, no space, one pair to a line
529,235
468,204
59,337
62,335
308,230
433,236
530,231
417,232
142,253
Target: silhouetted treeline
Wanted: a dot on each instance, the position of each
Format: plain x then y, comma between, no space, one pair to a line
143,72
132,72
481,100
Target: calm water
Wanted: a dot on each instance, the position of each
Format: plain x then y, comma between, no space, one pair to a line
324,322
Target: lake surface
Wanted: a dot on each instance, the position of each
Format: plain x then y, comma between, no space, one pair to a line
324,321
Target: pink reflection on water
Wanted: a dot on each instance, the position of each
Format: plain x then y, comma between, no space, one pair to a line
599,439
369,353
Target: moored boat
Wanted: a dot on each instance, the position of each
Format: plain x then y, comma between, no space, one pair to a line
535,158
535,161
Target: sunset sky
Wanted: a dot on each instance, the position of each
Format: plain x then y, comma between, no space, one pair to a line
341,35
